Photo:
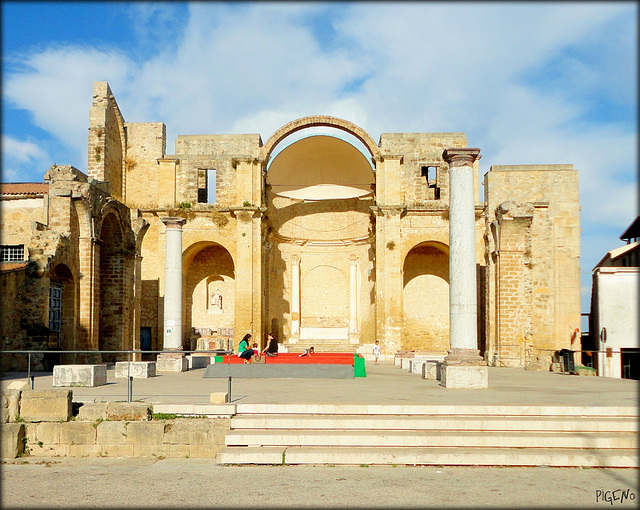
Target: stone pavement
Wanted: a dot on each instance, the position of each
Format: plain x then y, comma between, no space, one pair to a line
385,384
199,483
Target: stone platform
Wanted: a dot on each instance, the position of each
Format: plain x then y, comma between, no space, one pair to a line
280,370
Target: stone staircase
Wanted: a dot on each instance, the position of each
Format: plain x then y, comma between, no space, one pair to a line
326,345
432,435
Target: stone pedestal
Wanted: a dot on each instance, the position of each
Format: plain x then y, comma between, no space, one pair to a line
137,369
171,362
79,375
465,368
465,376
198,361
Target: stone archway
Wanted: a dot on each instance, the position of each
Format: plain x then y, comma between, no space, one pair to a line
426,298
112,313
316,121
209,289
62,279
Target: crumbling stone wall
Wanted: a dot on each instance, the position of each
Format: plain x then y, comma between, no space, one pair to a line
532,215
107,140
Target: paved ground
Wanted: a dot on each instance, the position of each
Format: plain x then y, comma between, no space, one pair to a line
384,384
199,483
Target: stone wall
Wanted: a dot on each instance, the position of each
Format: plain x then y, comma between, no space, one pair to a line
146,144
546,248
101,429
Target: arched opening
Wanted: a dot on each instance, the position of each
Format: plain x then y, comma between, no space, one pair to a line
112,289
319,189
209,290
62,310
426,298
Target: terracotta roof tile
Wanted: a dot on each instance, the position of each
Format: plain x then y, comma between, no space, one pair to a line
24,188
7,267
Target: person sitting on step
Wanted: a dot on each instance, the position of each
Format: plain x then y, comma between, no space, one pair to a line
244,351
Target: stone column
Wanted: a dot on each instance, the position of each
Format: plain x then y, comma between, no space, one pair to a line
464,367
353,300
295,299
172,339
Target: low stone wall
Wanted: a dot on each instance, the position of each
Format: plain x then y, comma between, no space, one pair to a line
179,437
41,424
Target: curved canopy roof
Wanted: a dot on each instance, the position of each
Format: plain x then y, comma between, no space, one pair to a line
321,168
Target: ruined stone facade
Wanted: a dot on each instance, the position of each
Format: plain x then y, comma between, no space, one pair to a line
331,241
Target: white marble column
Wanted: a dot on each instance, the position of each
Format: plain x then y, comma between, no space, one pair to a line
463,309
295,299
353,300
172,339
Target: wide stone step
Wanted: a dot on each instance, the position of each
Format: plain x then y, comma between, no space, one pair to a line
430,456
432,410
418,422
412,438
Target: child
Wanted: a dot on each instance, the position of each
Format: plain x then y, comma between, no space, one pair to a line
376,352
307,352
256,351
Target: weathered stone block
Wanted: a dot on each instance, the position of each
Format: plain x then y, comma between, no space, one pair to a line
47,433
116,450
46,405
198,361
171,364
83,450
111,433
79,375
74,432
136,369
219,398
10,405
93,411
465,376
12,440
431,370
145,433
188,431
416,366
129,411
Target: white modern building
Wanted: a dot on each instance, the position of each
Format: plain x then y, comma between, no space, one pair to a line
614,309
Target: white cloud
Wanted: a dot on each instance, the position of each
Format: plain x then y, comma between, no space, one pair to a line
525,81
56,86
19,159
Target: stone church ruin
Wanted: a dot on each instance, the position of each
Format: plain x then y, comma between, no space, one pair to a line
318,234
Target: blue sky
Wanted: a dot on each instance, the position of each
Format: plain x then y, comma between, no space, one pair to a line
529,83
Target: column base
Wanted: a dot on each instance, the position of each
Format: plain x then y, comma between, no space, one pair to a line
171,362
465,368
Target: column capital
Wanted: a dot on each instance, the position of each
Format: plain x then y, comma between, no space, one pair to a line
459,156
295,260
173,222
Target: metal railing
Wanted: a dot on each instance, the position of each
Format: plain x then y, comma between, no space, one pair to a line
31,378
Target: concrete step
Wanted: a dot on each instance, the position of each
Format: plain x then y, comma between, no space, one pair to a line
418,438
443,422
430,456
431,410
323,346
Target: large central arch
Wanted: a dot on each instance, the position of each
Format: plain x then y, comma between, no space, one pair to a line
319,121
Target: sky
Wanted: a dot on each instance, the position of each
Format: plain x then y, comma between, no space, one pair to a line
528,82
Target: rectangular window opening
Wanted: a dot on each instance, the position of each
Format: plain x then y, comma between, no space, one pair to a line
207,186
12,253
55,307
